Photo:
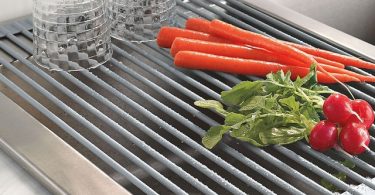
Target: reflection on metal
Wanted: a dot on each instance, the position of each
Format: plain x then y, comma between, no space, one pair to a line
14,180
311,26
35,173
50,155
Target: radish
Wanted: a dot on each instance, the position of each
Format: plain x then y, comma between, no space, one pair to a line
337,108
364,111
354,138
323,136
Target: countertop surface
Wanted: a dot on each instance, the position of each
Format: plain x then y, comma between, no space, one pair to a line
339,14
14,180
10,9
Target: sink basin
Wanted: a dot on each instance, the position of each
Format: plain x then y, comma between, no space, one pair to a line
11,9
352,17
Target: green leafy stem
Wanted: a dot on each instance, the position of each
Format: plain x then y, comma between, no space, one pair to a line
272,111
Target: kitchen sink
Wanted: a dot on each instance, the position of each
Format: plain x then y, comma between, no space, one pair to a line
135,119
352,17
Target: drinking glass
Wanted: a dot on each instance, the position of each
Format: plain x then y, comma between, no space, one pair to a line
71,35
140,20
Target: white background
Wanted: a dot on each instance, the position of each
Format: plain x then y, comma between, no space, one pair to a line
10,9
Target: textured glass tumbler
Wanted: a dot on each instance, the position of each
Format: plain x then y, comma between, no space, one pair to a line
71,35
140,20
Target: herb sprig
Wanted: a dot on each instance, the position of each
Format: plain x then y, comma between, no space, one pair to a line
272,111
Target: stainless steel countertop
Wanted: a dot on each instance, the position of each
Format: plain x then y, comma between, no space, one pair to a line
15,180
11,9
45,156
315,28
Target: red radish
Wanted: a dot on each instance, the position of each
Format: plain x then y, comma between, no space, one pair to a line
337,108
364,111
323,136
354,138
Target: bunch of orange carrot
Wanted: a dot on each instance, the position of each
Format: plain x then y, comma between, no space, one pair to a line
218,46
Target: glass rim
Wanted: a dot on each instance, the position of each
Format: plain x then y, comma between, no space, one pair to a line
106,31
144,24
115,36
116,20
75,70
83,50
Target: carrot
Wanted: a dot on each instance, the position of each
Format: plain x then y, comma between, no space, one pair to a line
197,60
198,24
328,62
238,35
167,35
203,25
361,77
229,50
235,34
238,51
347,60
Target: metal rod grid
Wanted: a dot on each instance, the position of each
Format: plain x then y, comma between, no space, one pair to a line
189,84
